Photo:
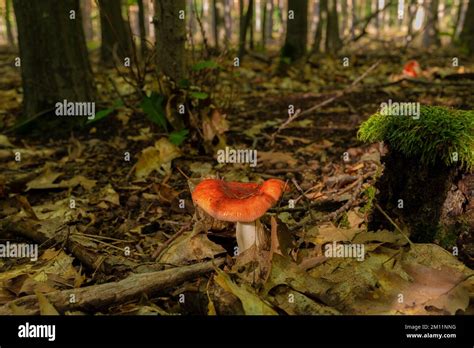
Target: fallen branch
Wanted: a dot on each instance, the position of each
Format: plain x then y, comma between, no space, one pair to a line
100,297
106,264
339,94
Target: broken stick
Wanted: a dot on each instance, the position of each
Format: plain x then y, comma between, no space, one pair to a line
99,297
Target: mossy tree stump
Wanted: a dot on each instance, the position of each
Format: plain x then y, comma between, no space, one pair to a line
430,159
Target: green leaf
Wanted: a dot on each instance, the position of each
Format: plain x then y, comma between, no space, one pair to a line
205,64
184,83
106,112
199,95
177,137
100,115
152,106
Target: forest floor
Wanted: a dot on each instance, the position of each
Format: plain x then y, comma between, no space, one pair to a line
101,218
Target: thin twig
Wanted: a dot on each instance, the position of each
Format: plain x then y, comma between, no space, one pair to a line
339,94
393,223
166,244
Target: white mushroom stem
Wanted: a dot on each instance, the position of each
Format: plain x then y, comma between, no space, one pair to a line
247,234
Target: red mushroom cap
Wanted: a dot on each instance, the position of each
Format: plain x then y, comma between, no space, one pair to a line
237,201
412,69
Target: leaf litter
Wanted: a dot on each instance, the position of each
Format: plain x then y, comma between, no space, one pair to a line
135,205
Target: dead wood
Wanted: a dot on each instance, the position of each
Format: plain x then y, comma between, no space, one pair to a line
96,262
100,297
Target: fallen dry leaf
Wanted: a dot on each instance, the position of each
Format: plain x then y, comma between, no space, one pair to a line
252,303
157,158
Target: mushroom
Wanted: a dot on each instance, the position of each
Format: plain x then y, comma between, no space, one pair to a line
243,203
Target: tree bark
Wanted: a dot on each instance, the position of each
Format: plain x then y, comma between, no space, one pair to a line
170,38
344,17
8,24
141,22
430,35
353,19
467,34
416,201
264,24
228,20
54,61
296,30
269,28
244,25
322,18
87,19
215,24
116,41
333,41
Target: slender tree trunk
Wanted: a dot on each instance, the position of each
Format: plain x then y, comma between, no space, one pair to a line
460,18
296,30
345,17
114,33
251,25
215,24
228,20
86,7
263,7
377,18
333,41
54,61
244,25
146,16
269,28
322,18
353,18
8,24
467,34
141,22
281,8
170,38
411,18
431,35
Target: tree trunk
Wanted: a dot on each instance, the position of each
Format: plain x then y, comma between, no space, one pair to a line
146,12
411,18
228,20
428,202
430,35
322,18
8,23
141,21
467,34
116,41
86,8
269,28
54,61
296,30
251,25
377,17
345,17
353,19
170,38
215,24
333,41
264,24
244,25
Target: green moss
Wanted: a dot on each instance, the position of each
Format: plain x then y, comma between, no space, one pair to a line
437,135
